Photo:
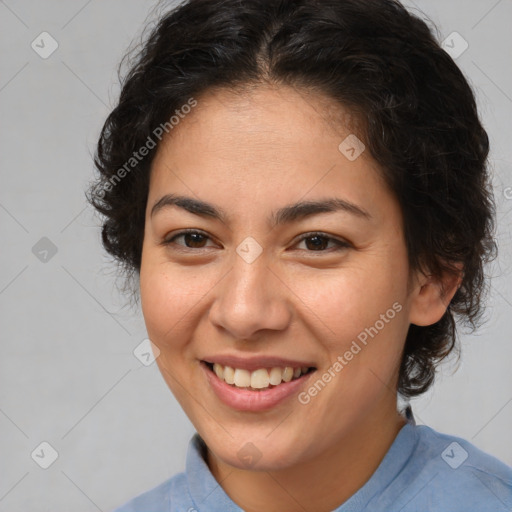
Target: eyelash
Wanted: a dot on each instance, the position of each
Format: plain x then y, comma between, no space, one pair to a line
341,245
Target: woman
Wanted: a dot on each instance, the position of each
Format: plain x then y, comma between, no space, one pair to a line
301,189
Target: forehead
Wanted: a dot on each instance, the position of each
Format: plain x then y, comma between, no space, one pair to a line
266,146
266,119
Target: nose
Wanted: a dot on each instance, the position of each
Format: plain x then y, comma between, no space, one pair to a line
251,298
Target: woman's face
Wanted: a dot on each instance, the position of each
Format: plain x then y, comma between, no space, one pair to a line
263,285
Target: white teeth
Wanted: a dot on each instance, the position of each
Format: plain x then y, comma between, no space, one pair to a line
242,378
276,376
288,374
259,379
219,371
229,375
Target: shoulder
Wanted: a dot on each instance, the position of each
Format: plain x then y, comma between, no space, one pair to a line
159,498
458,453
450,473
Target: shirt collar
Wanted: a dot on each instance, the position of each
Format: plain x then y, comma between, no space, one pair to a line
206,492
396,458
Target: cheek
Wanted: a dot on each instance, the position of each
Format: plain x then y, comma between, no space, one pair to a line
361,317
347,302
172,299
362,323
164,302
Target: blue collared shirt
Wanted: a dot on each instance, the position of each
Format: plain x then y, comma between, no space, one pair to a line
422,471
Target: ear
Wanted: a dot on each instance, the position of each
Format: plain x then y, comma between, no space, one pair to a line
431,296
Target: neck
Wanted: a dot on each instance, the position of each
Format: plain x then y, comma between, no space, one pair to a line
322,483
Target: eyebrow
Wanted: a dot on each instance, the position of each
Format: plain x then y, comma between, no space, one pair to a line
285,215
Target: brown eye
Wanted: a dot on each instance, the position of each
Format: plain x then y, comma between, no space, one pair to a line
191,239
319,242
195,240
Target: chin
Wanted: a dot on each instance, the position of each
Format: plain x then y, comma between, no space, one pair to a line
256,453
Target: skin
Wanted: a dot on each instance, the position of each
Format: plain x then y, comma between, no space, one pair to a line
251,153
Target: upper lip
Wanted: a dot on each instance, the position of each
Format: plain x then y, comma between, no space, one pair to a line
255,362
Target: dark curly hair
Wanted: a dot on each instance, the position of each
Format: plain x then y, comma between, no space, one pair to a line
373,57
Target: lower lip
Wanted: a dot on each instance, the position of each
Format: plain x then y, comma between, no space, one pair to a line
247,400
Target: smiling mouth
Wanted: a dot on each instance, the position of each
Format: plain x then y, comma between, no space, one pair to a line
257,380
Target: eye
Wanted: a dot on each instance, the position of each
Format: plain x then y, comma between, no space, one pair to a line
315,242
192,239
318,242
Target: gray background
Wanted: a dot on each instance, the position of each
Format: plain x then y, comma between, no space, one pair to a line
67,372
